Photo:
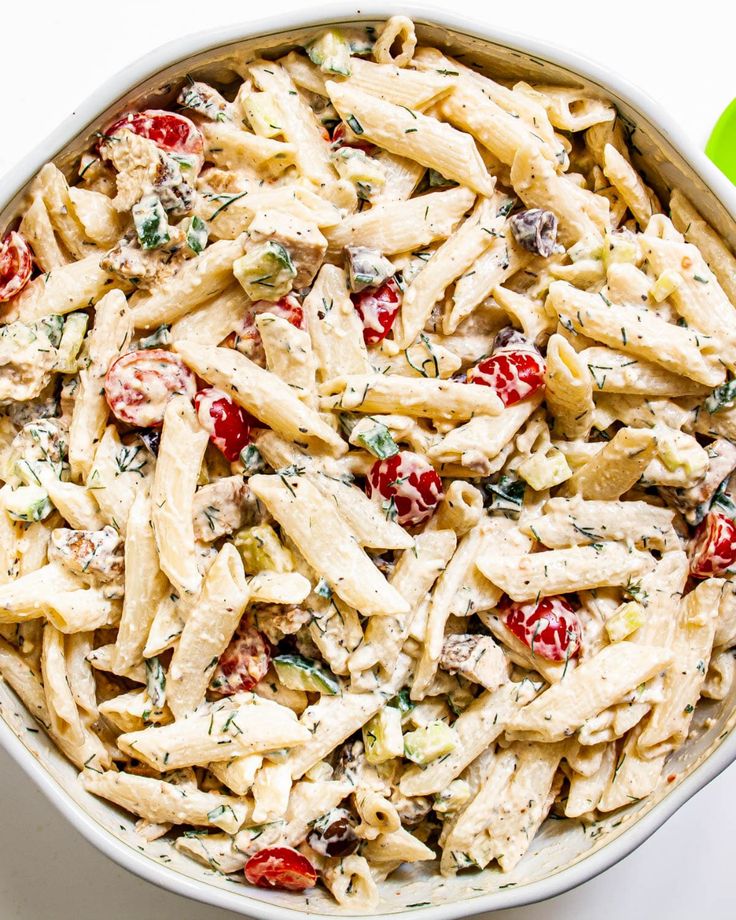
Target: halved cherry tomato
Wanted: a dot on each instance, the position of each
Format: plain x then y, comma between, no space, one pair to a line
174,133
550,627
247,338
378,308
514,375
140,383
228,424
343,136
280,867
409,484
15,265
243,663
713,548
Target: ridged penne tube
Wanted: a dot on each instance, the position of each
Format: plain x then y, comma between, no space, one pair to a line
628,184
376,813
637,332
402,226
271,788
528,313
165,803
18,674
460,510
454,257
402,176
36,228
237,774
183,442
479,441
668,724
230,147
63,713
574,522
196,282
97,216
241,724
351,882
397,29
569,390
617,467
411,134
261,393
213,321
298,123
278,588
396,846
414,89
634,777
586,791
561,571
133,711
606,677
616,372
716,253
145,585
334,326
64,289
313,522
720,676
54,190
289,354
425,397
109,338
209,627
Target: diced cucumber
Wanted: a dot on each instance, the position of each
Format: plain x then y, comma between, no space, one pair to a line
366,267
151,222
252,460
453,797
437,180
382,736
545,472
625,620
331,53
378,441
197,233
262,111
158,338
364,172
427,744
621,246
261,550
75,329
52,325
665,285
266,271
299,673
28,503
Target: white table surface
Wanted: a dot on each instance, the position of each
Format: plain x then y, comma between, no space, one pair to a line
53,54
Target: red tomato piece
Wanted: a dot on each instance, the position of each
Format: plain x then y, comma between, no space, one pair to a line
247,338
139,384
514,375
280,867
176,134
243,663
713,548
228,424
378,308
342,136
409,484
15,265
550,627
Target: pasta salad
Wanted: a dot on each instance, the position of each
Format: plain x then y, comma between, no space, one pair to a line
367,432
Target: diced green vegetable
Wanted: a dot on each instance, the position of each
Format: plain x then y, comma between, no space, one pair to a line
261,550
364,172
298,673
382,736
625,620
366,267
453,797
723,397
665,285
331,53
52,325
545,472
437,180
155,682
151,222
266,271
323,589
158,338
252,460
263,113
723,502
621,246
506,495
427,744
378,441
197,234
75,329
28,503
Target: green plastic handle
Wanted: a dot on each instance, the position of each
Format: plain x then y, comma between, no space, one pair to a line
721,146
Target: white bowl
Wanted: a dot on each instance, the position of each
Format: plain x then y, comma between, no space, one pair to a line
565,853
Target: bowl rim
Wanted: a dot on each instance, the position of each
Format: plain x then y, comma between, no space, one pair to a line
103,97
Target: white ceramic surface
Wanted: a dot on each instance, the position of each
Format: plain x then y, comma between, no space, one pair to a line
566,856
